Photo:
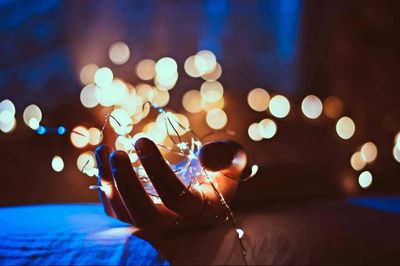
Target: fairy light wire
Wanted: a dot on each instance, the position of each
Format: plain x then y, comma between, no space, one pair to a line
189,155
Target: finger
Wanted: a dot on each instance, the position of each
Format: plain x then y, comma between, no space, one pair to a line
173,193
109,195
225,156
105,202
227,160
140,207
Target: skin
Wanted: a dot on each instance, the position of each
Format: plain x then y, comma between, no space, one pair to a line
126,199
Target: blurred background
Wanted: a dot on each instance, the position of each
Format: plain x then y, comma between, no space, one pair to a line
306,83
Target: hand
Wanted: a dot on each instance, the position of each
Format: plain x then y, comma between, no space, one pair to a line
124,197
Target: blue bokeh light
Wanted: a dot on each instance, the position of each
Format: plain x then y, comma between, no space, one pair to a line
41,130
61,130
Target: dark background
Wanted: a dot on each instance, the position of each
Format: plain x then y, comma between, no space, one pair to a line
345,48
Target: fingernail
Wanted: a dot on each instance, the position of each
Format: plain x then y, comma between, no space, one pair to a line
144,147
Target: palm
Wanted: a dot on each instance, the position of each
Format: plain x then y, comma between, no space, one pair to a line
125,197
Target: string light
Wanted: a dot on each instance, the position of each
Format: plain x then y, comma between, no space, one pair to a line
333,107
369,152
87,73
145,69
80,137
267,128
357,161
119,53
57,163
32,116
279,106
258,99
216,119
365,179
311,106
345,127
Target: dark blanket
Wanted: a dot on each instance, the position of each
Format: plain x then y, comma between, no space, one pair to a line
352,231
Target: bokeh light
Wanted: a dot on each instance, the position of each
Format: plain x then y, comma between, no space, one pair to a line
145,69
267,128
119,53
279,106
88,96
311,106
396,153
80,137
216,118
397,140
166,67
57,163
357,161
190,67
9,126
345,127
32,111
7,105
191,101
258,99
365,179
207,106
211,91
333,107
95,136
213,75
87,73
205,62
120,121
161,98
254,133
85,160
369,152
103,77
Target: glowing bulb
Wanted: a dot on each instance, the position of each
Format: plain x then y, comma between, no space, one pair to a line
120,121
166,67
365,179
7,105
161,98
216,118
88,96
87,73
145,69
333,107
33,123
103,77
9,126
396,153
369,151
213,75
397,140
190,67
6,116
85,162
57,164
32,111
311,106
211,91
80,137
240,233
119,53
191,101
279,106
95,136
205,61
345,127
258,99
253,132
267,128
357,161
